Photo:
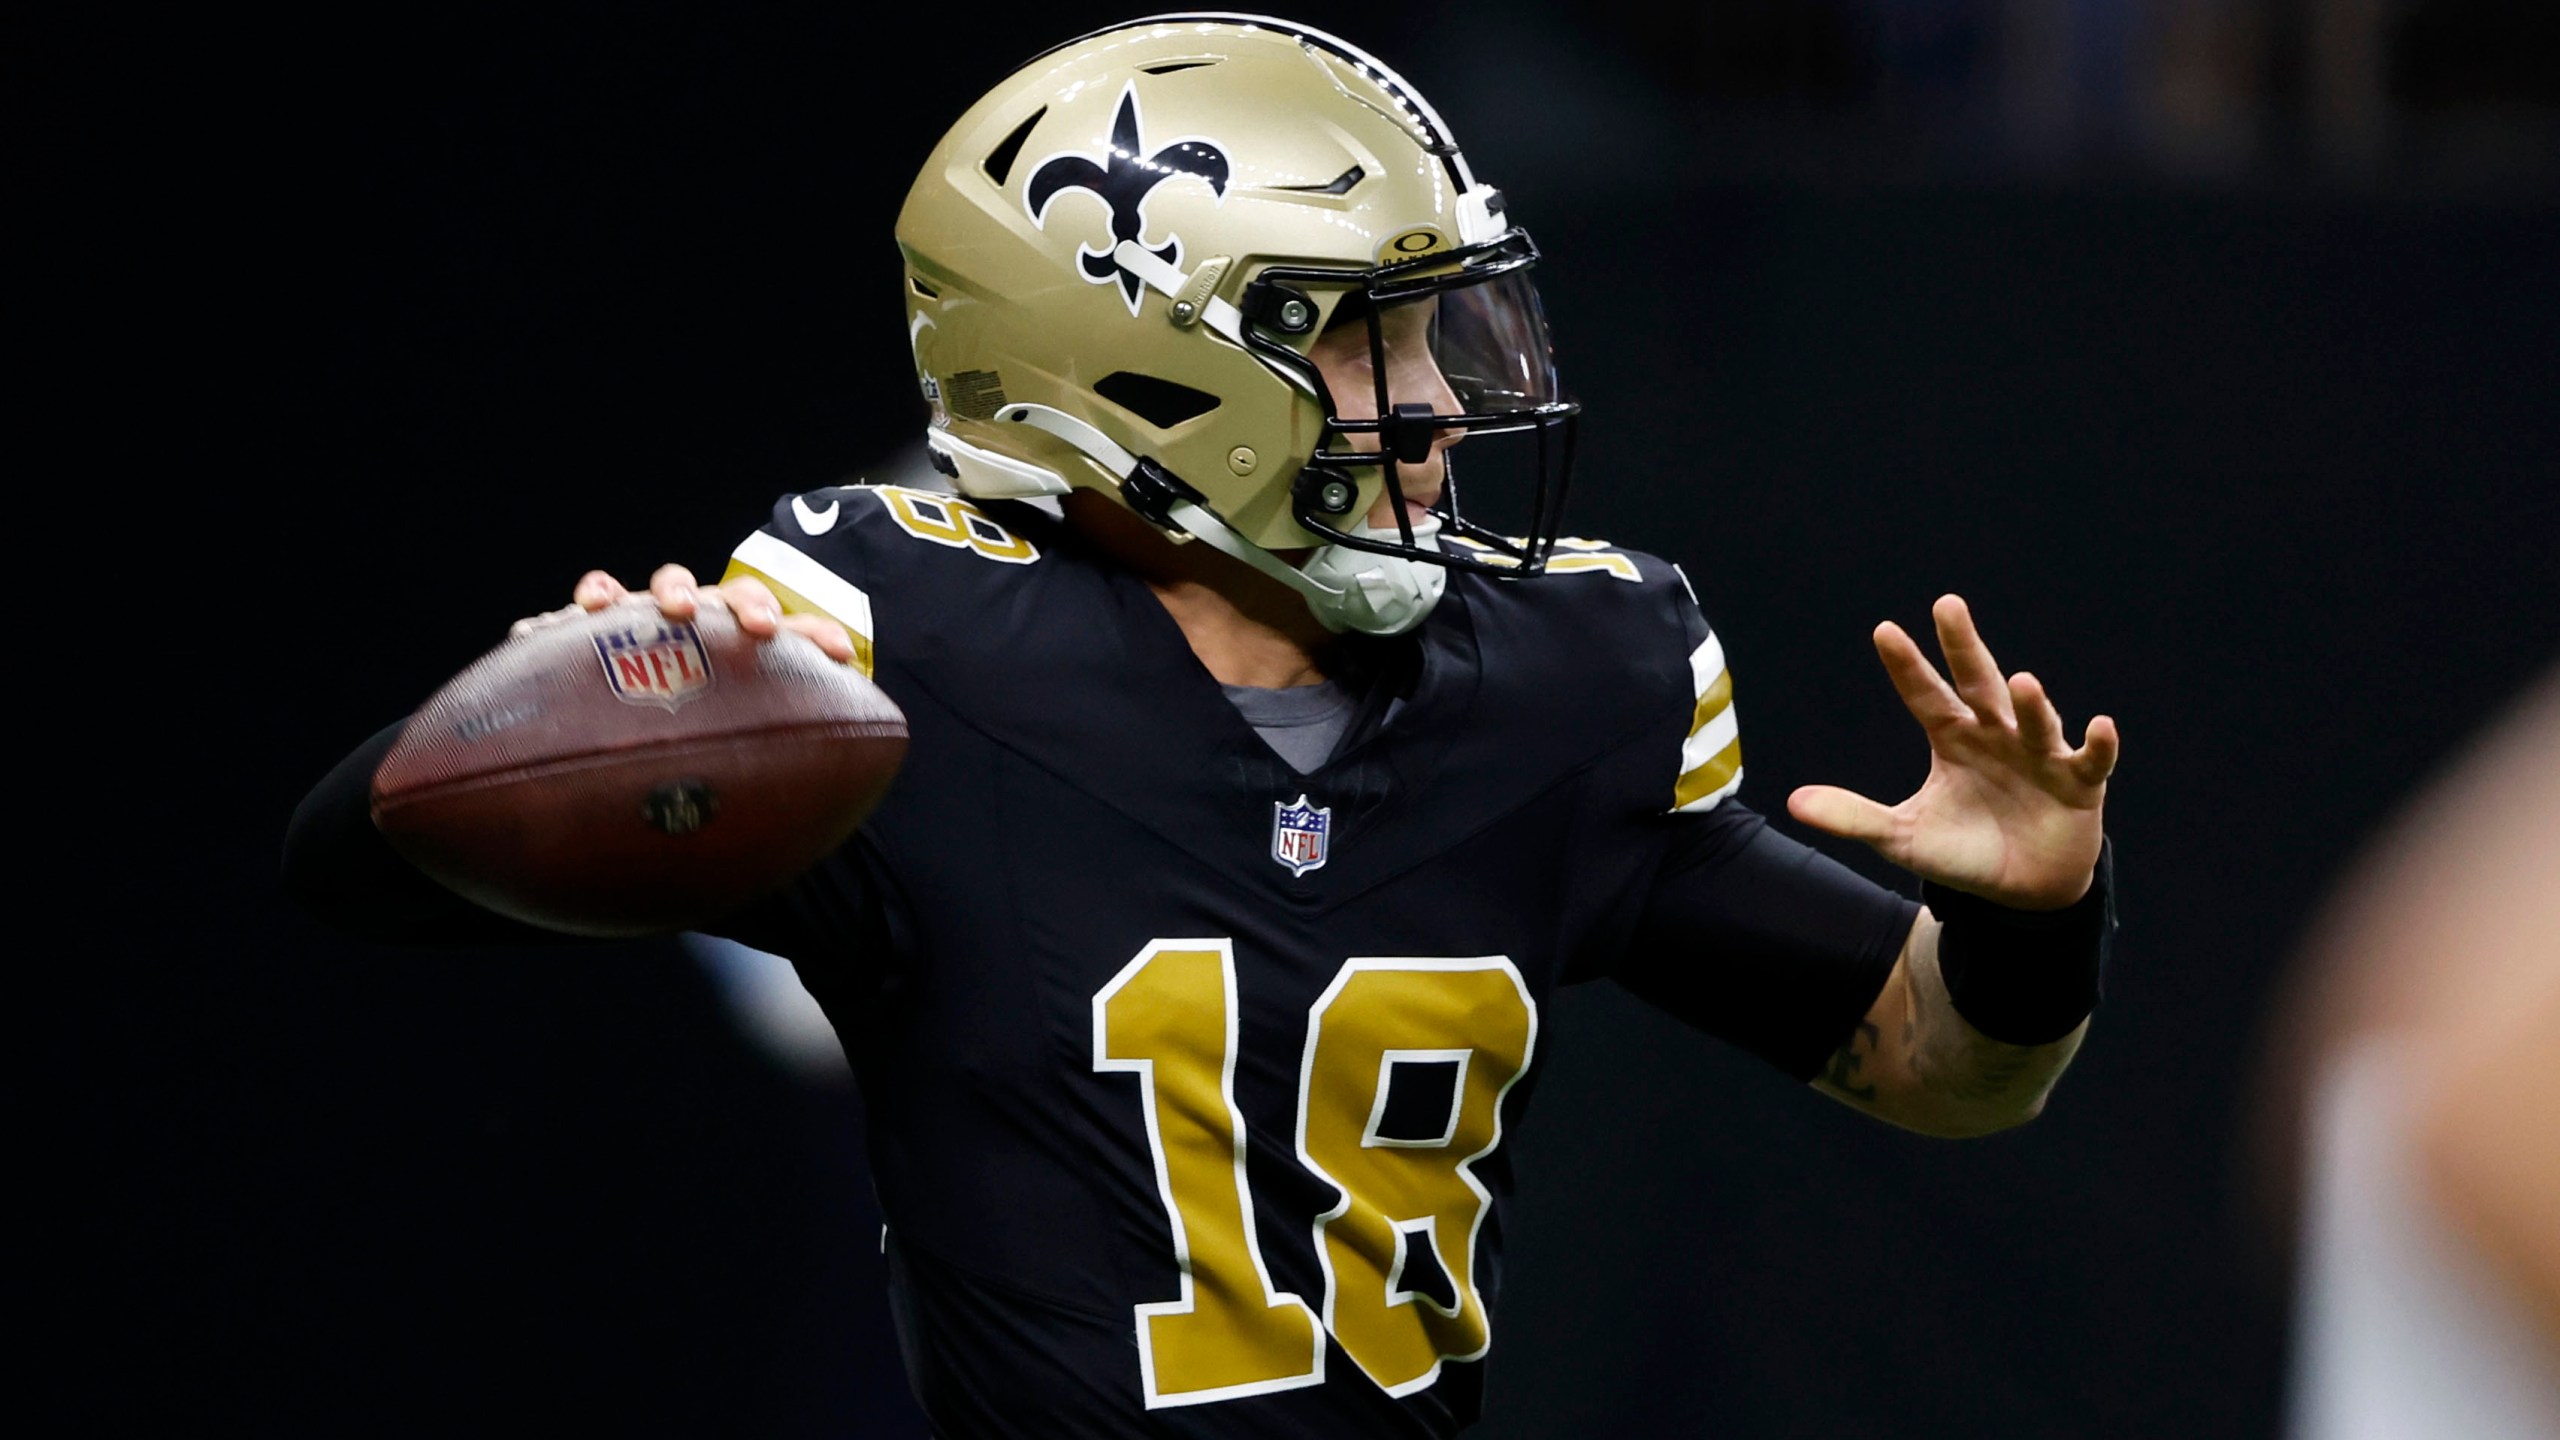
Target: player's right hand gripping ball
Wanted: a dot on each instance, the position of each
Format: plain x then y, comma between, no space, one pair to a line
626,774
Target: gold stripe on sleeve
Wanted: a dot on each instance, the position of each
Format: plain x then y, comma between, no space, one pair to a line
1718,772
795,603
1713,702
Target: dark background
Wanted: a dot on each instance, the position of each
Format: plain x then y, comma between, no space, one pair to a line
2208,349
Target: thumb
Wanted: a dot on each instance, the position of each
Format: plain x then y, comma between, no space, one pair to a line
1844,813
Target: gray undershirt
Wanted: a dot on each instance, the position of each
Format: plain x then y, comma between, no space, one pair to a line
1302,723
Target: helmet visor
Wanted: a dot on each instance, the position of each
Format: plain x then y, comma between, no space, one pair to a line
1419,359
1490,342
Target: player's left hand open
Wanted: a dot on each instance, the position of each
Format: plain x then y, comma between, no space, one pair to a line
2010,811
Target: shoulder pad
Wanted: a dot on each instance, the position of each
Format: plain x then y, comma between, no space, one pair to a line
1616,596
1619,633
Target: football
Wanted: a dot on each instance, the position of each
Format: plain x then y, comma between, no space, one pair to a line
620,773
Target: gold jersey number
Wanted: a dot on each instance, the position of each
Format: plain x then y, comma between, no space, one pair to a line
1170,1017
951,521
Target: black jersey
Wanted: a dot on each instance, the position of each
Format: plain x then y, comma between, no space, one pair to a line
1189,1075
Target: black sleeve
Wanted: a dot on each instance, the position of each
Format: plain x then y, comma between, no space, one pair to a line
341,870
1762,941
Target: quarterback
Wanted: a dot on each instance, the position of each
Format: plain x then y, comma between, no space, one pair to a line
1260,794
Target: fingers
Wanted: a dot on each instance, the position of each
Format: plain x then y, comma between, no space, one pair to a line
2096,759
1927,696
1969,663
759,614
1844,813
672,586
596,590
680,597
2039,724
829,636
2040,727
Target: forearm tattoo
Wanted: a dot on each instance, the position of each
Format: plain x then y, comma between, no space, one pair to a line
1989,1070
1849,1061
1952,1058
1941,1076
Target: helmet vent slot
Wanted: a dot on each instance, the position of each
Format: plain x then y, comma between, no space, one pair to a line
1160,403
1171,66
1339,185
999,161
924,291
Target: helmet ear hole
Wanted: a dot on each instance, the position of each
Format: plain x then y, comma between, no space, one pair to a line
1161,403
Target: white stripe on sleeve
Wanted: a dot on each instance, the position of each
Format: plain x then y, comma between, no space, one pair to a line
816,583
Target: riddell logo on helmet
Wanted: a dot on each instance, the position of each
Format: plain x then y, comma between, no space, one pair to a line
1123,179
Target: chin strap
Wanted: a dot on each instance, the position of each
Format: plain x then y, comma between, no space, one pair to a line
1380,594
1346,589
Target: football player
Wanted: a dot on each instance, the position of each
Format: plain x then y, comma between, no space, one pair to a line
1260,794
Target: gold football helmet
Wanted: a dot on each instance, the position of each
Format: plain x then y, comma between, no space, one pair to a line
1118,261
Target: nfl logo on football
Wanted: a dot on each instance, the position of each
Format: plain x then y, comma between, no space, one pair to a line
654,663
1298,832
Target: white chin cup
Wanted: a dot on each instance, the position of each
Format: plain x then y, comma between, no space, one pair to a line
1375,594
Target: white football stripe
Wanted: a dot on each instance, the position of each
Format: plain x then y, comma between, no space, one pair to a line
1711,738
1705,664
816,583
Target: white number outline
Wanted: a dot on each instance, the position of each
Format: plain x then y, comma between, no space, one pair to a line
1405,1228
1388,1059
1465,1167
961,526
1145,1070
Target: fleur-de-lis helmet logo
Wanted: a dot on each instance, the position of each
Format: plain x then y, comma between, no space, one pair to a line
1123,180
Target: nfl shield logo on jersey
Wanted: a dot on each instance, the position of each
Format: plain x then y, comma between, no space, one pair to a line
1298,833
654,662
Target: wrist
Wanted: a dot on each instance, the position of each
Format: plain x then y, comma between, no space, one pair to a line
2043,903
2020,976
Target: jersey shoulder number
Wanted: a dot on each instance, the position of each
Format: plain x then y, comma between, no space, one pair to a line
824,552
1571,556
